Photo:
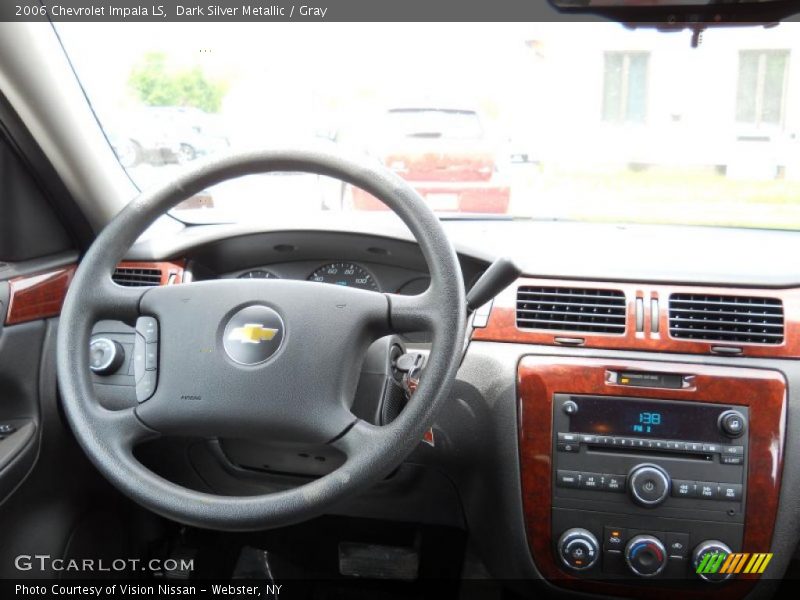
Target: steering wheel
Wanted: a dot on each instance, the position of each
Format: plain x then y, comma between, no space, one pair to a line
263,359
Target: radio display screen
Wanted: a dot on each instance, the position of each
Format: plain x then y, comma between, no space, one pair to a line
646,418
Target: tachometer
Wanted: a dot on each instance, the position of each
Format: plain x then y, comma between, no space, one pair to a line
258,274
348,274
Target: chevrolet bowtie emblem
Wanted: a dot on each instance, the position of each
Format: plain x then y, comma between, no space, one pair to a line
252,333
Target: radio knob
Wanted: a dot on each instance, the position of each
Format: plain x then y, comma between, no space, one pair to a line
732,423
645,555
649,485
578,549
709,548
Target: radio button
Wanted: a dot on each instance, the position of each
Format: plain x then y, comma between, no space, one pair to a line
589,439
694,447
729,491
731,460
649,485
614,483
684,489
732,423
733,450
714,448
568,479
568,447
568,437
569,407
660,444
673,445
707,490
591,481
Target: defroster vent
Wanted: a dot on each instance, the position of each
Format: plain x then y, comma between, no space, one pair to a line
571,309
745,319
131,277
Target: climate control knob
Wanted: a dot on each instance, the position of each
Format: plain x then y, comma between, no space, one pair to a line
645,555
706,560
648,485
578,549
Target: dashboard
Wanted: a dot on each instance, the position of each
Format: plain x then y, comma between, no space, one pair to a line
627,406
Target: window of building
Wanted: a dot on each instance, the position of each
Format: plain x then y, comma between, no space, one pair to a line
761,94
625,87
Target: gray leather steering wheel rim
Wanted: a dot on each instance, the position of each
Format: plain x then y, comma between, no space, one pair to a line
108,437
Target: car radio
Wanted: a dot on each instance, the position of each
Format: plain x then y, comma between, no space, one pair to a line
646,487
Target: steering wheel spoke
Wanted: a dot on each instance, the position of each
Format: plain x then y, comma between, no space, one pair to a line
411,313
114,301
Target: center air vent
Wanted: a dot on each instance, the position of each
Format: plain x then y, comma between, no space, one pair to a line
131,277
726,318
571,309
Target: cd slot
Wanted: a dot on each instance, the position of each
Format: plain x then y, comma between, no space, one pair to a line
703,456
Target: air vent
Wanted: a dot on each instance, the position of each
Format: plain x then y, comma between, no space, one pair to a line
132,277
571,309
726,318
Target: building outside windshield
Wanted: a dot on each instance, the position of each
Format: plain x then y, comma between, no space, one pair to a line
586,122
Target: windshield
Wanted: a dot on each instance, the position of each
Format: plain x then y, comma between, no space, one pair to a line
578,121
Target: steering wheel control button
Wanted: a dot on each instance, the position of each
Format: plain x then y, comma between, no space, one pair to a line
145,357
645,555
710,551
105,356
146,386
253,335
732,423
147,327
649,485
578,549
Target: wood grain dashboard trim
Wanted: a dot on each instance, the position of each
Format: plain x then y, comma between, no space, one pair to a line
540,377
502,325
40,296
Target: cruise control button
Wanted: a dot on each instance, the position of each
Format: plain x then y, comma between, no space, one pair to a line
707,490
568,479
684,489
729,491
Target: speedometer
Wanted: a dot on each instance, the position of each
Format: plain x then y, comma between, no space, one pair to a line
347,274
258,274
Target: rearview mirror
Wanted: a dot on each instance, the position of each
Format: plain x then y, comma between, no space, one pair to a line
684,13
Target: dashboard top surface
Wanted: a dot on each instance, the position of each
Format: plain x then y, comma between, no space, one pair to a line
591,251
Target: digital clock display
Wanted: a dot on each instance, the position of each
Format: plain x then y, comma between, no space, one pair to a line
661,419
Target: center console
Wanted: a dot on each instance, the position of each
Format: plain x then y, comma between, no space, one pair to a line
636,472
